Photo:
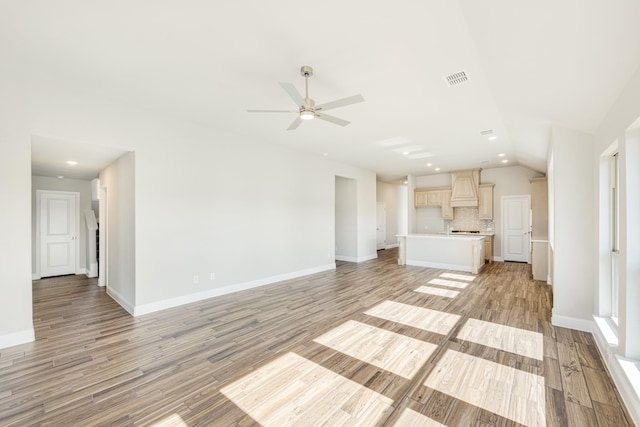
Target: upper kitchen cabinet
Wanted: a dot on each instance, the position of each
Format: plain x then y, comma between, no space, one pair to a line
447,209
485,201
464,188
425,197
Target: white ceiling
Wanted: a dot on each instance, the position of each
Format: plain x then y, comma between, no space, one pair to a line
531,64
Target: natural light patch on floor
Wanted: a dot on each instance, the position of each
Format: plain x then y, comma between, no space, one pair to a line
506,391
456,276
411,418
418,317
173,420
292,390
514,340
449,283
437,291
387,350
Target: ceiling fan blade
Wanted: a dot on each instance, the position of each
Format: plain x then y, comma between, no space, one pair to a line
331,119
295,124
271,111
293,93
340,102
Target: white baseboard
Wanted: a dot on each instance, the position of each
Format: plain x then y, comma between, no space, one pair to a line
395,245
139,310
35,276
17,338
93,270
120,300
81,271
620,369
441,266
356,259
572,323
498,259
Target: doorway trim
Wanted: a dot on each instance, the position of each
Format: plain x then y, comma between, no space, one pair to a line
103,243
38,262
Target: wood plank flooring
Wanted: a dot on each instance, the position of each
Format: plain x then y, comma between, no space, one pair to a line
371,344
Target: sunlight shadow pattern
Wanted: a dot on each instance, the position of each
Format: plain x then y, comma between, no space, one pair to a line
417,317
173,420
449,283
507,338
456,276
506,391
392,352
437,291
411,418
292,389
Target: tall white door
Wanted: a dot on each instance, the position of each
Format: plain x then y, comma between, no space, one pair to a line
381,225
516,230
58,233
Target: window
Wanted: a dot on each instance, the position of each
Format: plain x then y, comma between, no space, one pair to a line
615,235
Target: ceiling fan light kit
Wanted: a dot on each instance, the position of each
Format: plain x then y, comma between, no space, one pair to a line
307,108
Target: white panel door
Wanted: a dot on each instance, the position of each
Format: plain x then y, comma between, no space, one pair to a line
58,233
516,228
381,225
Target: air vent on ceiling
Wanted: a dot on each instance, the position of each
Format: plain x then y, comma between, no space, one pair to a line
456,78
487,132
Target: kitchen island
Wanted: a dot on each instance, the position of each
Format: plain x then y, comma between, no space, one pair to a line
450,252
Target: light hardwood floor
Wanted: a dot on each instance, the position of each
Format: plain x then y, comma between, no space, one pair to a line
368,344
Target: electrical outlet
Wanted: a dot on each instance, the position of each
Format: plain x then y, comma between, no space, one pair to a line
196,279
212,277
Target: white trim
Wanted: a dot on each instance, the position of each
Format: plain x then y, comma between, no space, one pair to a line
572,323
346,258
17,338
35,276
120,300
498,259
629,392
395,245
81,271
92,271
367,257
199,296
439,265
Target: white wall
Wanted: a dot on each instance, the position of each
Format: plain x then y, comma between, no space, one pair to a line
395,200
119,180
574,243
346,219
206,201
55,184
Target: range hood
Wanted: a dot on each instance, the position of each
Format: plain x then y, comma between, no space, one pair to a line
464,188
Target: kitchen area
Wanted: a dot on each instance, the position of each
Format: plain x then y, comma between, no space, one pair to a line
465,219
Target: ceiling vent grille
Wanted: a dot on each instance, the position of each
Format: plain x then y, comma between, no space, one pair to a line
456,78
488,132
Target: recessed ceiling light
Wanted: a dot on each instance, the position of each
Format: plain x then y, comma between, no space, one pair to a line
429,164
505,161
493,137
437,169
71,162
405,152
501,155
325,154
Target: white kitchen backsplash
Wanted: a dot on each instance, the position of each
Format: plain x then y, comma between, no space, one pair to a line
467,219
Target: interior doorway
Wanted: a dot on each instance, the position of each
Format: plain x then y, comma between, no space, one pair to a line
346,219
381,225
516,228
57,231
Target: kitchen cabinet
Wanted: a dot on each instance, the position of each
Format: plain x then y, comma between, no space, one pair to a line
420,198
447,209
485,201
434,198
539,229
426,197
488,248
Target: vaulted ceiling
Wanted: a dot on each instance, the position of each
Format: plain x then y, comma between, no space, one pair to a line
529,65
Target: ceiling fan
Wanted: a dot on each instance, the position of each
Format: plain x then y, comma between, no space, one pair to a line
307,108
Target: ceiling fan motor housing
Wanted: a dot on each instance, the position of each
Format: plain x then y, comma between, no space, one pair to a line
306,71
